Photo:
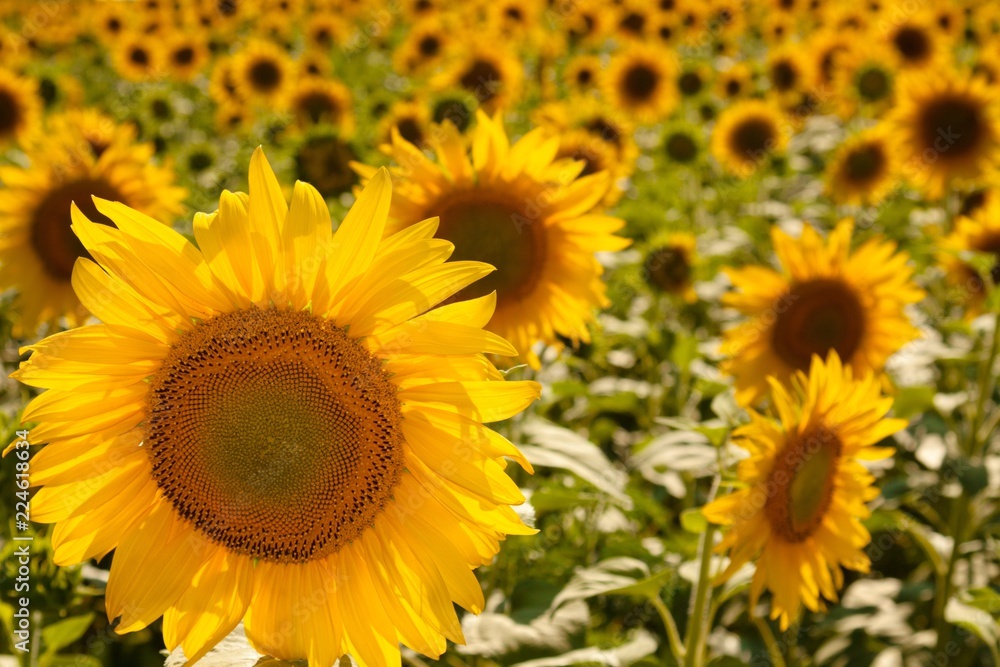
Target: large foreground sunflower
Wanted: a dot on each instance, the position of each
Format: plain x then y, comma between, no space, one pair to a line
947,130
806,489
84,154
278,427
825,298
521,210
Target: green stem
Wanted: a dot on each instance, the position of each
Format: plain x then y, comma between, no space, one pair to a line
697,630
674,637
959,512
772,644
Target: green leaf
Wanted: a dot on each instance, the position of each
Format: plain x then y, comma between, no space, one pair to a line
912,401
61,634
985,599
975,620
694,521
684,351
649,587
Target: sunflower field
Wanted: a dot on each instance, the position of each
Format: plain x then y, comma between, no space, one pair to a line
495,333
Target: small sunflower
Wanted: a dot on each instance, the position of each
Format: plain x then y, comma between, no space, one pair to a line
325,31
582,74
316,100
222,86
493,76
824,298
185,55
411,119
20,108
789,72
916,44
682,144
137,57
947,130
526,213
734,82
634,21
234,117
864,169
323,159
639,82
425,46
692,80
746,135
805,487
283,427
263,72
864,79
37,247
976,232
670,263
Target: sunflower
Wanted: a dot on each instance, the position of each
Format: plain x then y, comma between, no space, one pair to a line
582,74
789,72
20,107
633,21
222,87
682,144
411,119
825,298
185,55
806,487
670,263
692,80
864,79
137,58
72,163
916,44
639,83
327,398
526,213
324,159
976,232
746,134
588,21
491,74
234,117
734,82
262,72
325,31
424,47
864,169
316,100
946,129
456,109
109,21
597,156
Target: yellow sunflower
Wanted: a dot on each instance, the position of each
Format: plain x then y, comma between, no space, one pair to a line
37,248
411,119
864,168
946,127
325,31
977,231
489,73
747,134
916,43
639,82
582,73
598,156
20,107
137,57
805,487
316,100
824,298
734,82
864,79
185,55
277,425
789,71
670,263
424,47
263,72
521,210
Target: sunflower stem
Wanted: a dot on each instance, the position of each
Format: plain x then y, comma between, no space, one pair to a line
769,640
960,506
697,630
673,636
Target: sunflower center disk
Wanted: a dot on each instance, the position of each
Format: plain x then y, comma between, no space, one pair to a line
753,138
955,122
274,433
8,113
640,83
819,316
801,483
500,235
865,163
51,235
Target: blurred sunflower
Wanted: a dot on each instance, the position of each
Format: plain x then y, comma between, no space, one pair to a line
109,21
806,487
945,128
670,262
825,298
582,74
521,210
747,134
263,72
411,119
977,231
789,72
682,144
864,80
864,168
494,76
325,31
916,44
74,163
734,82
323,159
185,55
323,393
20,108
316,100
692,80
424,47
598,156
639,82
137,58
633,21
